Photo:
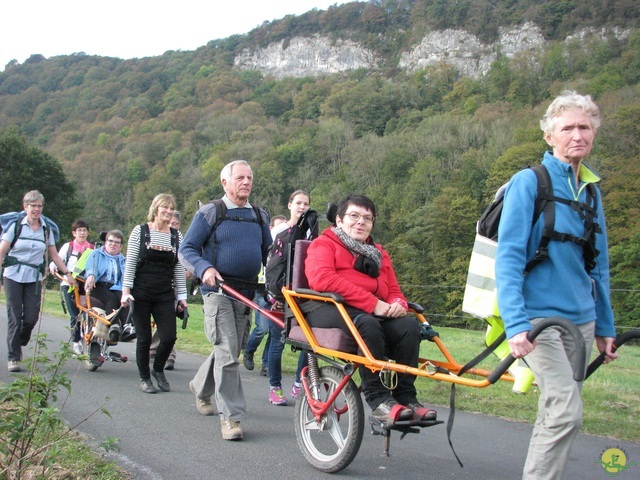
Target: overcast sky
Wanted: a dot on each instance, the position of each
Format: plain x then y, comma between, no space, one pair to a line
132,28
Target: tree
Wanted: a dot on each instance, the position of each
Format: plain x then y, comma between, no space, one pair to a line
625,283
24,168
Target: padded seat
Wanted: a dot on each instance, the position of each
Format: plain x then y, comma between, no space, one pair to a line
332,338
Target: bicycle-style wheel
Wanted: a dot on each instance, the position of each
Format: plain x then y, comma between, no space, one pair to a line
332,443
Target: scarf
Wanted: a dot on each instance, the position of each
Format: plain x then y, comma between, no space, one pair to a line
368,257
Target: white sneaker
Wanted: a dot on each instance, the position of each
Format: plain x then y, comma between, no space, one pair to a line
13,366
77,348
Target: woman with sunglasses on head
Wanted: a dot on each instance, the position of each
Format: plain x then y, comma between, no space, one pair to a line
345,260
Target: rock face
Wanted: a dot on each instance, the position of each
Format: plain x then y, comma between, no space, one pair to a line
317,55
304,57
465,52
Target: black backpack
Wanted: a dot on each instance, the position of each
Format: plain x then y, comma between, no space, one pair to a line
545,202
277,271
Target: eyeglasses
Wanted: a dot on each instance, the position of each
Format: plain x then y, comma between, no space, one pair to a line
355,217
37,207
115,242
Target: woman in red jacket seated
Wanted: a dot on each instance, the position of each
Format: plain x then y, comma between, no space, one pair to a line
345,260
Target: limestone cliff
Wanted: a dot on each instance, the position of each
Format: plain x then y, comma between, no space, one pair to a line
318,55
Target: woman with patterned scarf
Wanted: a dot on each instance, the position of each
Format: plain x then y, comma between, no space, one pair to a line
345,260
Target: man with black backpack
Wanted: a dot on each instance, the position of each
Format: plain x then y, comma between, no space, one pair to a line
571,280
228,239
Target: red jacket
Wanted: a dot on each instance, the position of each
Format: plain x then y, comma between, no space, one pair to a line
329,267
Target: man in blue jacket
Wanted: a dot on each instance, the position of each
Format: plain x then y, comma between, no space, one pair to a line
560,285
237,246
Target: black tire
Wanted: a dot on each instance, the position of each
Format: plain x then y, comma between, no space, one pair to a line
331,444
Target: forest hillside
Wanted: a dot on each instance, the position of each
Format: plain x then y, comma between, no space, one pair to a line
427,141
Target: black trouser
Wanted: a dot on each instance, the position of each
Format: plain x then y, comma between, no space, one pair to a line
23,311
395,338
162,307
111,301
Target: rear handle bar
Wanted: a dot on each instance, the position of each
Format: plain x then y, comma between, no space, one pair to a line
569,327
619,341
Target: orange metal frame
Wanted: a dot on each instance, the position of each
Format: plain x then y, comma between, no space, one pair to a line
87,309
426,367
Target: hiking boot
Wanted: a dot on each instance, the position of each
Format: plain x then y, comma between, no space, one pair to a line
247,361
231,430
295,391
204,407
276,396
264,372
390,411
162,381
420,412
114,333
170,365
147,387
128,333
13,366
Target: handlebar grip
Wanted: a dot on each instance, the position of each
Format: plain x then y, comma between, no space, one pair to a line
619,341
130,314
185,318
569,327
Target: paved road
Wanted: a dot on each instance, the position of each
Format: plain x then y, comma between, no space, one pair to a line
163,437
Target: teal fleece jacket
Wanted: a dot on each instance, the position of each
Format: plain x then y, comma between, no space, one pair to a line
559,286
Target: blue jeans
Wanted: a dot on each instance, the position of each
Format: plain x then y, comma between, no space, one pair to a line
259,331
303,361
276,346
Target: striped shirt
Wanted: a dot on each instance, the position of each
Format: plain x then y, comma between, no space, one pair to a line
161,240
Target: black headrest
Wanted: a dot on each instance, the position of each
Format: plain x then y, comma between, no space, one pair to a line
332,210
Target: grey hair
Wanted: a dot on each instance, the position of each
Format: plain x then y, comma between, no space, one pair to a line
566,100
177,215
227,171
32,196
